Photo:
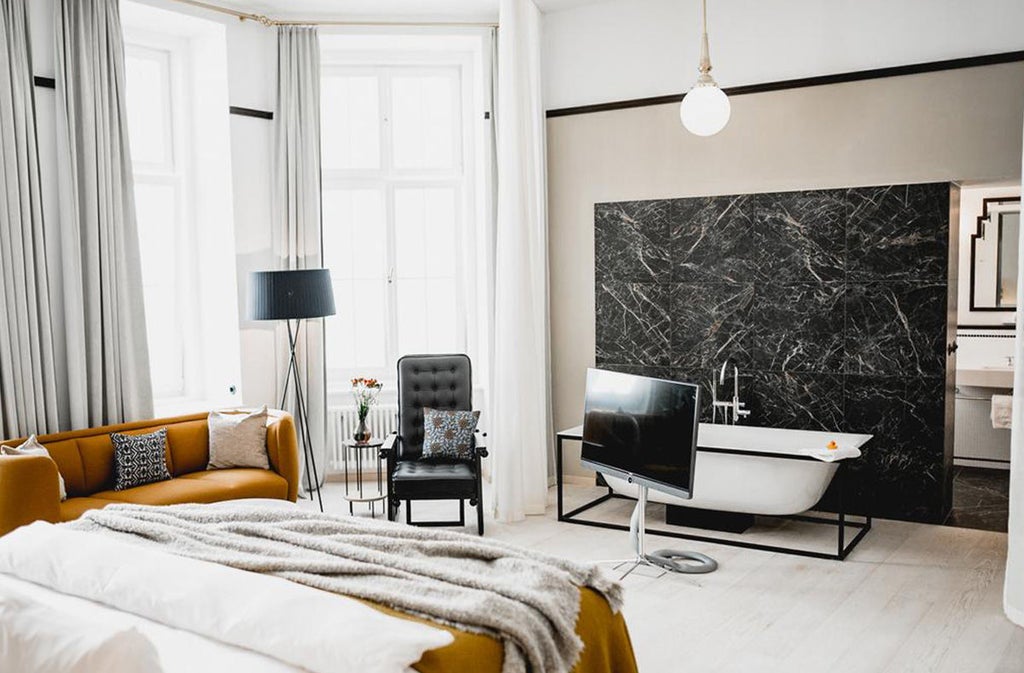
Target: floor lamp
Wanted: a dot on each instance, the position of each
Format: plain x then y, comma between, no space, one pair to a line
294,295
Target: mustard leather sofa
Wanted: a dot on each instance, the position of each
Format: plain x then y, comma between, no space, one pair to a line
29,489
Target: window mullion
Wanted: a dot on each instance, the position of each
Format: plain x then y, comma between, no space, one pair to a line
387,164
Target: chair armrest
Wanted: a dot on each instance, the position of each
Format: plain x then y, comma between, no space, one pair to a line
480,444
283,452
387,451
29,491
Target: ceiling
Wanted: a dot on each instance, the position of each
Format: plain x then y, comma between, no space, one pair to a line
467,10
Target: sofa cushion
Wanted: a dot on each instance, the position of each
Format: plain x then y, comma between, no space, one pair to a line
72,508
205,487
243,482
188,444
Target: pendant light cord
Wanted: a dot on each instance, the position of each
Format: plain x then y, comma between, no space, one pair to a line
705,5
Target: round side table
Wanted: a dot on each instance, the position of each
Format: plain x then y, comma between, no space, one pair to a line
356,457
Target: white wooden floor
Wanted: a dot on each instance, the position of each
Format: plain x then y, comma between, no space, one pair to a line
911,597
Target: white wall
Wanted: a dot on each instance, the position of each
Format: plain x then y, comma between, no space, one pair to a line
252,83
623,49
971,198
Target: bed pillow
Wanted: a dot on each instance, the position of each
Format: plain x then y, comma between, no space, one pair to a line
32,447
238,440
37,637
448,433
139,459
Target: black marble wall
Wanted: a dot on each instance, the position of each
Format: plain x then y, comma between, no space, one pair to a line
833,304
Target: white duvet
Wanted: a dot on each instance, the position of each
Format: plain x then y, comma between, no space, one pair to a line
205,617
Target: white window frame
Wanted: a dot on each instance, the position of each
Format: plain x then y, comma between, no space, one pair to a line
384,65
174,57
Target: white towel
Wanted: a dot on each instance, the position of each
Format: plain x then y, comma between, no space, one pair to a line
832,455
1002,411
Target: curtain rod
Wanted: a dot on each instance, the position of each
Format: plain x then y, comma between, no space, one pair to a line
270,22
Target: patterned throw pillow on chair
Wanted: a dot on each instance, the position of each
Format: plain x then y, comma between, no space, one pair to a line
448,433
139,459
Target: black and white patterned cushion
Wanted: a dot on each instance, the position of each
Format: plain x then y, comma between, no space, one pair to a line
139,459
448,433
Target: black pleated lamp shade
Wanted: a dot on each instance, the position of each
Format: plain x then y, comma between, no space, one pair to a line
290,295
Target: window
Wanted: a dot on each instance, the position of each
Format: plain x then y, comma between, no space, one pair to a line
160,202
176,100
400,207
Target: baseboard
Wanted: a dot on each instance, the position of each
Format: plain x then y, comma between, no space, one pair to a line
578,479
986,463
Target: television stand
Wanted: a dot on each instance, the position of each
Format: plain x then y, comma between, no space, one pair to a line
667,560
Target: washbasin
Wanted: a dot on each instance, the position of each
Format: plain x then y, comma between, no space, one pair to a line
985,376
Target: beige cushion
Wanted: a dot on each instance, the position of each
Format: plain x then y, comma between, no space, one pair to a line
32,447
238,440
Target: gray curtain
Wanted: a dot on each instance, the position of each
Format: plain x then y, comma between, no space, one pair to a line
297,234
104,317
28,389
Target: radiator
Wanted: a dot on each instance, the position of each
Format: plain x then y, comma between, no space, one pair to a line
343,421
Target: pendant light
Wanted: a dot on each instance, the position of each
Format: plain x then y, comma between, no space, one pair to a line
705,108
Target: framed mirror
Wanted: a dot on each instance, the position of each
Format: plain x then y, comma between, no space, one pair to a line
994,256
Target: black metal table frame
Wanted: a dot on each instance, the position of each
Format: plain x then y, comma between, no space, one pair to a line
357,449
841,522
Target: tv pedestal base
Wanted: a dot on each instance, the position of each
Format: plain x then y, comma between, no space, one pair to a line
666,560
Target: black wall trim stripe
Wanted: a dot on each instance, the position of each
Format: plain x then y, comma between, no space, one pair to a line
50,83
821,80
250,112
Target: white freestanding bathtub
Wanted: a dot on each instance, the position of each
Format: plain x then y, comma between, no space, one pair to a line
756,470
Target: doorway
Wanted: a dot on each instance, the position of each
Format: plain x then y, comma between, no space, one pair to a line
987,302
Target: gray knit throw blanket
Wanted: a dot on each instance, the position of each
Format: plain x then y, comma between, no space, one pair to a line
529,601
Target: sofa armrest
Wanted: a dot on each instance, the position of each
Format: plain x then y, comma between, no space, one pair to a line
283,451
29,491
387,450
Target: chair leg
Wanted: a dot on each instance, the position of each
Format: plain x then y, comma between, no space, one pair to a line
408,512
479,516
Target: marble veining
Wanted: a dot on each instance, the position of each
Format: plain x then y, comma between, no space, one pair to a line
833,303
898,232
800,236
712,239
895,328
633,323
631,240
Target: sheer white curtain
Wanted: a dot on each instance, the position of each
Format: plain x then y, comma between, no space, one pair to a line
1013,596
520,382
28,385
108,377
297,236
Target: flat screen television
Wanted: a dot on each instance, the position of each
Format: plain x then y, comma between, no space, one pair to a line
641,429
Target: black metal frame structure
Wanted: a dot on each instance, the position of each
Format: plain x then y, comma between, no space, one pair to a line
843,548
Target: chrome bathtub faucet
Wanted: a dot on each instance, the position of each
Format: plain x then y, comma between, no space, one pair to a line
733,410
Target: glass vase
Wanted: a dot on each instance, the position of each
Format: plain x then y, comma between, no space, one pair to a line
362,433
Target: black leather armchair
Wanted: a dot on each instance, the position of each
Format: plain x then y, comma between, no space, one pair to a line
436,382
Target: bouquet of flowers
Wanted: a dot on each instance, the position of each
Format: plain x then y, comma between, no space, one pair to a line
365,392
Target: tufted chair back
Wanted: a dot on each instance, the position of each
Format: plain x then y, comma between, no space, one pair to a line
429,381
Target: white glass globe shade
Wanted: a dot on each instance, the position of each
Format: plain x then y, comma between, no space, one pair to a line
705,110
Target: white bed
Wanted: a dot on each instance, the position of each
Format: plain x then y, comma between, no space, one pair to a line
257,624
179,651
